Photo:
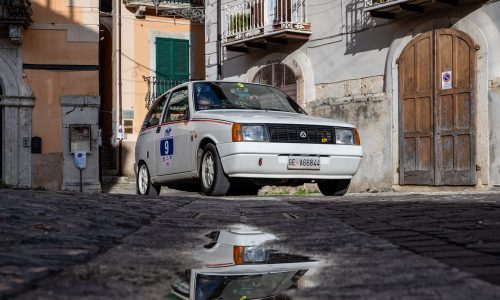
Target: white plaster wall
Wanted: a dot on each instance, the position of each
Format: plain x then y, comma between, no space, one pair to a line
211,39
347,44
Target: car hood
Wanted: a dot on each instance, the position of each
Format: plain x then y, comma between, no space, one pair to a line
263,116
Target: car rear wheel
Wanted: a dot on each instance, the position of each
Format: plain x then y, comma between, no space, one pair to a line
334,187
144,186
213,181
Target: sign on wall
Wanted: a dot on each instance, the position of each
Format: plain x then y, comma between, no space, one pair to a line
446,80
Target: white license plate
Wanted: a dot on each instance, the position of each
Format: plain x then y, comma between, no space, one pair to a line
303,163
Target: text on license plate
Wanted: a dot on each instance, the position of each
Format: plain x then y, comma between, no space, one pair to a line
303,162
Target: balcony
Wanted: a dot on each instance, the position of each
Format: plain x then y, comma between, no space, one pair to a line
15,12
158,86
258,23
390,9
162,4
189,9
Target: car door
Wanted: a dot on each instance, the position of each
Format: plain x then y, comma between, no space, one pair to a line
172,138
147,146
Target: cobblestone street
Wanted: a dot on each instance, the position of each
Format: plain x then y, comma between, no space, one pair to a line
372,246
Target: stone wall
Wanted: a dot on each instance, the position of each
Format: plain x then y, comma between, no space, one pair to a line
362,103
494,126
47,170
81,110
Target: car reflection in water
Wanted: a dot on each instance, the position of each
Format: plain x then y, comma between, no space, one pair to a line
238,264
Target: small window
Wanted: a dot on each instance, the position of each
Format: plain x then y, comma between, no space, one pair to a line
178,106
128,126
154,114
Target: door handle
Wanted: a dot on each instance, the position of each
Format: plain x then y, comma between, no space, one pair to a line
158,129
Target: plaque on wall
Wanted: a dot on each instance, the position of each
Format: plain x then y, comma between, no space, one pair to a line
79,138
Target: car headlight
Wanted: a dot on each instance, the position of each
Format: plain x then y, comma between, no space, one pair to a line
249,133
344,136
249,255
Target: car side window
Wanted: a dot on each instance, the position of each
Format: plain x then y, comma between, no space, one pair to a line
154,114
178,106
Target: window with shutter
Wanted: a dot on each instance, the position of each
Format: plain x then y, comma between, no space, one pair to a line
172,63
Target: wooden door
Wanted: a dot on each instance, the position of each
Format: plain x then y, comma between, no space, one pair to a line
436,76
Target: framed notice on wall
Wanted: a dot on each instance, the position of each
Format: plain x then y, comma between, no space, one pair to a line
79,138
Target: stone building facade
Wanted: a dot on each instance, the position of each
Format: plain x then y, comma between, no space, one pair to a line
48,51
420,81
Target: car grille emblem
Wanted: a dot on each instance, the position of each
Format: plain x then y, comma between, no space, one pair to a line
303,134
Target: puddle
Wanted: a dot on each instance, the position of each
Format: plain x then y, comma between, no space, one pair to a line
241,263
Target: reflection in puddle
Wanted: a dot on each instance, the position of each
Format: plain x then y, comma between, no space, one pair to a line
239,264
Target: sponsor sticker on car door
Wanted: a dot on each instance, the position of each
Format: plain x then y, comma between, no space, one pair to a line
167,148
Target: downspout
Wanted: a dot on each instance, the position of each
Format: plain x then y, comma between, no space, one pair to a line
120,93
219,41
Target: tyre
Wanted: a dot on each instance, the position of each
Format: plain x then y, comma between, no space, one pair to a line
143,182
334,187
213,181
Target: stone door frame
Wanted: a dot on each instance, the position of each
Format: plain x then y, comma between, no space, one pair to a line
17,105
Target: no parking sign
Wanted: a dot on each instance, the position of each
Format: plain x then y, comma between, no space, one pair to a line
446,80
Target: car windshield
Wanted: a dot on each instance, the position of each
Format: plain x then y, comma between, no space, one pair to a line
237,95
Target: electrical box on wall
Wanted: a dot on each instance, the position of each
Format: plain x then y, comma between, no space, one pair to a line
36,144
79,138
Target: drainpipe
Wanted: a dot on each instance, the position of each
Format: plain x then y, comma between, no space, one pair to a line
219,41
120,93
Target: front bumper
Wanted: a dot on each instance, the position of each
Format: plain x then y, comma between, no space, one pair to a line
242,160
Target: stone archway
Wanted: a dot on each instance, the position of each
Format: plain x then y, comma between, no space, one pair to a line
16,103
279,75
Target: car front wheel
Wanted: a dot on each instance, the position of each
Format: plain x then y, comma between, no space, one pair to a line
143,182
213,181
334,187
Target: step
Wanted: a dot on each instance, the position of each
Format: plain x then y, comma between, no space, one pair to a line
109,172
117,180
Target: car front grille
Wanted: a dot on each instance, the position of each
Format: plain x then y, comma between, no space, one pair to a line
308,134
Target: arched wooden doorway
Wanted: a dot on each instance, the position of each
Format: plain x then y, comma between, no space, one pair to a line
280,76
437,110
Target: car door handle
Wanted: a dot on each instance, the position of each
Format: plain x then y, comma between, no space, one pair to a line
158,129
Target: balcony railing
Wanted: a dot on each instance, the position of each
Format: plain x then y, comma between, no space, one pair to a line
158,86
389,9
15,12
163,3
246,20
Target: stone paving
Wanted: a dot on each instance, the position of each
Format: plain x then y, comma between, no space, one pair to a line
388,246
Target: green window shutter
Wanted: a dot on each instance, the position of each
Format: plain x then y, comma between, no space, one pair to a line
164,58
181,65
172,63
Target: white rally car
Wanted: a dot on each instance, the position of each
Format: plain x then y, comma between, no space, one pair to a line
239,263
224,134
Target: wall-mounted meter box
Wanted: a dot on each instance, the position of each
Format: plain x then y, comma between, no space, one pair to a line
79,138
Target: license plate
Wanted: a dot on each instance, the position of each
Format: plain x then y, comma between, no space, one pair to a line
303,163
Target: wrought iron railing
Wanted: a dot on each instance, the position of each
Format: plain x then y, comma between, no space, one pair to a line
159,85
164,2
16,12
249,18
370,3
